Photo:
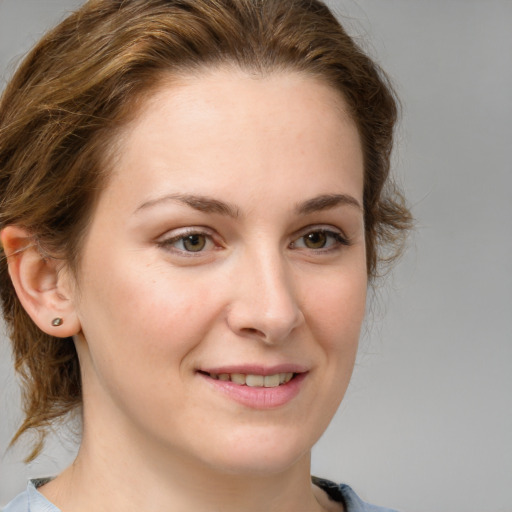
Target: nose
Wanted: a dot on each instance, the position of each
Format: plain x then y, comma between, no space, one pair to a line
264,304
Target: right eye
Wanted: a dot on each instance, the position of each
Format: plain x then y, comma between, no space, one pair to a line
188,242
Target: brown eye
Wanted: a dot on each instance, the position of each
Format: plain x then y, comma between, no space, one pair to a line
321,240
194,243
315,240
188,243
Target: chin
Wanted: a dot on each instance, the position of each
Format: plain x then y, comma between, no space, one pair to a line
258,466
261,454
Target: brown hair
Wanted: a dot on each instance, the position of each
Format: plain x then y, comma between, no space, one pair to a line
84,79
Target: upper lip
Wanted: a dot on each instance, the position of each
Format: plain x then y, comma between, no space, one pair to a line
255,369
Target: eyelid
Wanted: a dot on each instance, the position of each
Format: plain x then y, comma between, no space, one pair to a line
170,237
339,236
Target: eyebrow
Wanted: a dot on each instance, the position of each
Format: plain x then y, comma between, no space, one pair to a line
197,202
210,205
326,202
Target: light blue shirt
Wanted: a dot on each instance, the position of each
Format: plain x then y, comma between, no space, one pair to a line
33,501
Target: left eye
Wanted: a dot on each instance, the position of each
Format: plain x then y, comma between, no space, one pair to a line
319,239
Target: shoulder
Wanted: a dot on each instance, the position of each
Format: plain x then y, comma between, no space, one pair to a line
33,501
344,494
18,504
30,500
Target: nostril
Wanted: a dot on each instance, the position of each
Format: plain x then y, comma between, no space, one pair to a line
251,330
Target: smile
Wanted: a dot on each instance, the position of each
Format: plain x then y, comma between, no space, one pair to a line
254,381
257,387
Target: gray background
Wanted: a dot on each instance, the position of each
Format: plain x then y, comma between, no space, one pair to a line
427,422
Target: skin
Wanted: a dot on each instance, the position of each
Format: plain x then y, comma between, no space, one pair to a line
149,313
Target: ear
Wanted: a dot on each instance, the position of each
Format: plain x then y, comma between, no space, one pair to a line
43,284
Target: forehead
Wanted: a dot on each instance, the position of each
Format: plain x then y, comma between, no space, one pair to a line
229,94
223,126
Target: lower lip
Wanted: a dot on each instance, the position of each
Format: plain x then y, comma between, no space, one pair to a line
258,397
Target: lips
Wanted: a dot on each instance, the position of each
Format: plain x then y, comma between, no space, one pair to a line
253,380
257,387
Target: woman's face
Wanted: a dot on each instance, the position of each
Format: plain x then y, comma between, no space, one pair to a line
223,278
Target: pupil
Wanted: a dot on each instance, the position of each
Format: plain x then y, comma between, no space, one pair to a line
194,243
315,240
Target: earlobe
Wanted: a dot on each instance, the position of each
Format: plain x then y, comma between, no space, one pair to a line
42,284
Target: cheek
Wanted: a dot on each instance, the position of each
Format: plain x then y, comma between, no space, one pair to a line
337,306
336,313
145,315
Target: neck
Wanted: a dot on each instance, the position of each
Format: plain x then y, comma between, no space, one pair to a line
121,467
109,476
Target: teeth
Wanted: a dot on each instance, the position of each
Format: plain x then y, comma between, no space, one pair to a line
238,378
271,381
255,381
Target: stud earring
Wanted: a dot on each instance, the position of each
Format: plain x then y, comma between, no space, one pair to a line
56,322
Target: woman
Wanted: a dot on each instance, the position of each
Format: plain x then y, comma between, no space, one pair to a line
195,196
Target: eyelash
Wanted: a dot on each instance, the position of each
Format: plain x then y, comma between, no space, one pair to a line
337,240
168,243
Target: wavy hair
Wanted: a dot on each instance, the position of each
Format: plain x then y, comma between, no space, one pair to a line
62,110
